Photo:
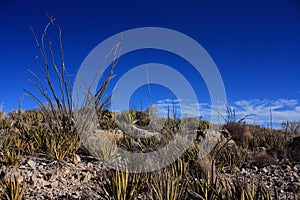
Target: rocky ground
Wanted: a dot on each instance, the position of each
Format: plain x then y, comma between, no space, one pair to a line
87,179
284,177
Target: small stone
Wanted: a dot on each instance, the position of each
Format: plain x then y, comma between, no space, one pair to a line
31,164
54,184
90,165
294,187
67,171
255,168
44,183
295,174
281,191
287,168
41,168
85,177
34,180
236,169
22,167
243,171
265,170
297,166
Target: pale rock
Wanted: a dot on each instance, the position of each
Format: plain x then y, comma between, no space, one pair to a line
67,171
296,175
44,183
22,167
31,164
265,170
54,184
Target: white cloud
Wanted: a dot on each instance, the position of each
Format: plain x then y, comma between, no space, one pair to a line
259,109
282,110
182,107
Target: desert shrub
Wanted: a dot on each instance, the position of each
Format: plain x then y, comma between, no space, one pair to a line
263,159
142,118
291,127
294,150
240,133
200,168
274,141
106,120
231,157
240,189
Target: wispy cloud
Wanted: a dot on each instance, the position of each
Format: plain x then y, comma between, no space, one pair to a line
183,107
259,109
281,110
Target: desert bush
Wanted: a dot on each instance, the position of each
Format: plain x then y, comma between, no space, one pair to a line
142,118
203,183
238,188
294,150
274,141
240,133
231,157
106,120
263,159
292,127
201,168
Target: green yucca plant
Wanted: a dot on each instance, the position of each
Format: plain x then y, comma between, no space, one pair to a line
240,189
204,188
12,149
170,183
59,148
123,185
12,190
36,138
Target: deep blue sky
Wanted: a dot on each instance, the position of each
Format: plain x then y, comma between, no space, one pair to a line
255,44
